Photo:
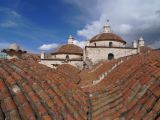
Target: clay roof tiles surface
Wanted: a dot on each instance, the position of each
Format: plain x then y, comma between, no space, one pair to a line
69,49
32,91
29,90
88,76
107,37
71,71
144,49
131,91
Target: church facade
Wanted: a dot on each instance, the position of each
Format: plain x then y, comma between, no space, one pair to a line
104,46
107,46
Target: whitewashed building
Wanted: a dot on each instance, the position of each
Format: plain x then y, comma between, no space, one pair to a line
107,46
65,54
104,46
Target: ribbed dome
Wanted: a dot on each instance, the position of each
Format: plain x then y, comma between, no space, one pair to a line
107,37
69,49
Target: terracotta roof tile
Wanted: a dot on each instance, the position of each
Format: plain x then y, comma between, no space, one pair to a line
69,49
88,76
29,90
138,83
45,101
107,37
70,71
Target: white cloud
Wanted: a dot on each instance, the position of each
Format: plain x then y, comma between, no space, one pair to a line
10,18
91,29
8,24
52,46
14,14
9,12
127,18
85,6
125,28
80,43
48,46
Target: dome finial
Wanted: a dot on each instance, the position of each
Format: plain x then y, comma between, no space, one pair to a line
70,39
106,27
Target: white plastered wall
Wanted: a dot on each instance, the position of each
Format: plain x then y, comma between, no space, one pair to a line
106,43
99,54
63,56
49,63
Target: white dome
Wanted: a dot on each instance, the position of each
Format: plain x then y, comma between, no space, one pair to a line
14,46
141,39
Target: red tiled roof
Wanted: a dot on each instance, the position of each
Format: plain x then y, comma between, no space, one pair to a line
29,90
30,56
69,49
131,91
144,49
107,37
88,76
70,71
32,91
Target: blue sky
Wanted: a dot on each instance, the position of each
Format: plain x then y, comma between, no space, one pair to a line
36,23
32,23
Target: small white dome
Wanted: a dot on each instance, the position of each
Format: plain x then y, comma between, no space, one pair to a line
14,46
141,39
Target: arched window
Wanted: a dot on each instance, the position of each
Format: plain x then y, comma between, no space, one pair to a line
110,56
110,44
67,57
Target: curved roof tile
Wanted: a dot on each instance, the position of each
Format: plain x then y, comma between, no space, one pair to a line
69,49
29,90
107,37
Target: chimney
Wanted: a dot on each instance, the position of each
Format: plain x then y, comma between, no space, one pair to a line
42,55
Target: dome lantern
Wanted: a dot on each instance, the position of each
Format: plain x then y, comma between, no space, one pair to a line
106,27
107,35
70,39
141,42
